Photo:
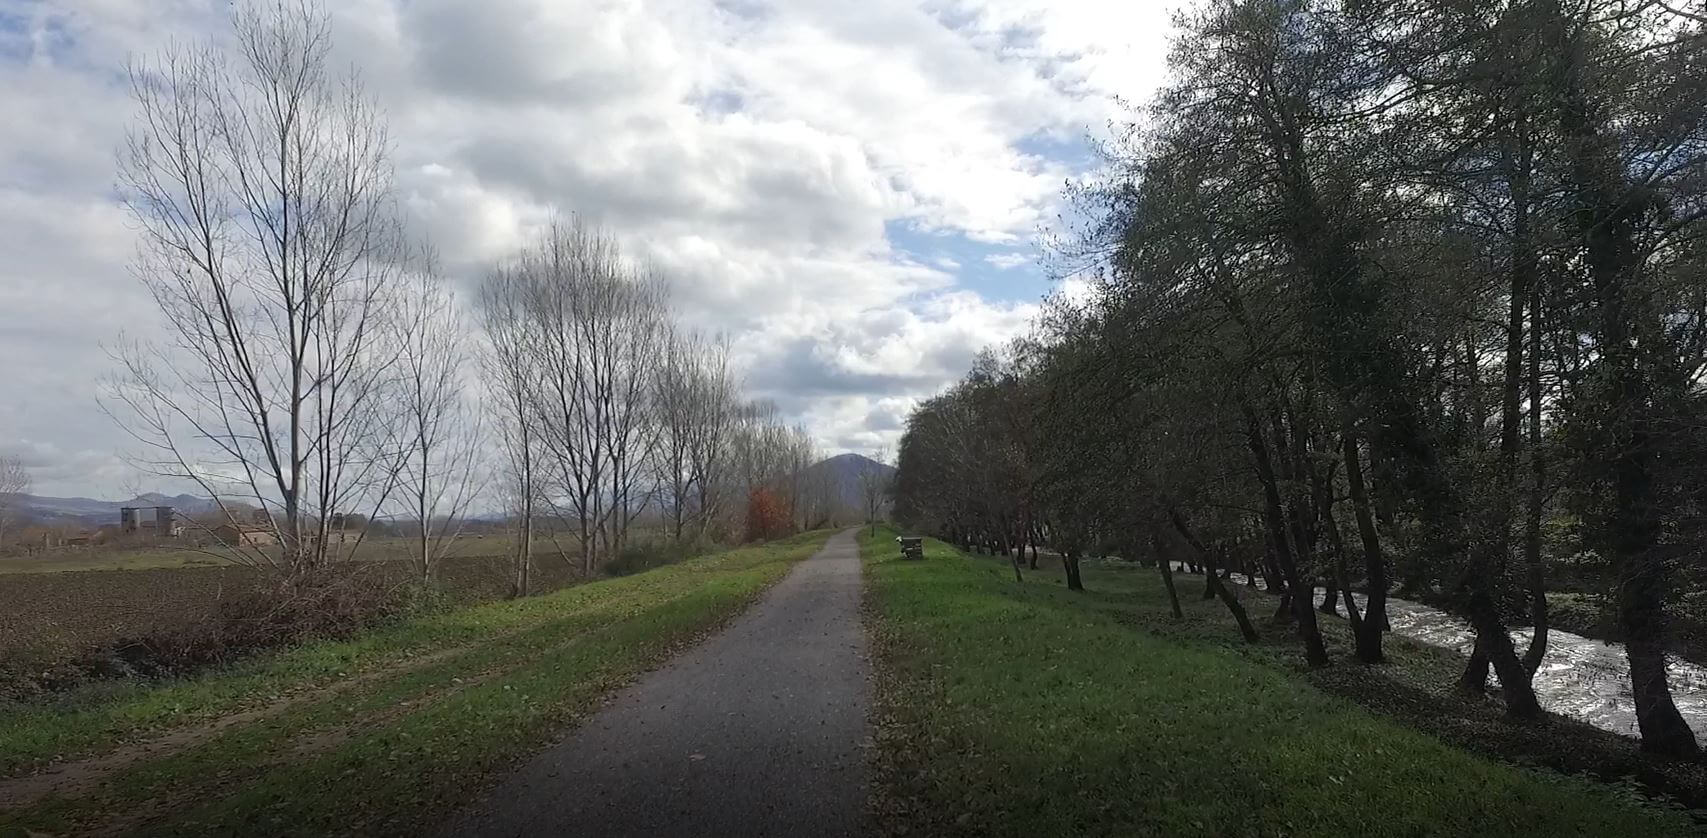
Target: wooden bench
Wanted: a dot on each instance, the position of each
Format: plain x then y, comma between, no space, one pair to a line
912,547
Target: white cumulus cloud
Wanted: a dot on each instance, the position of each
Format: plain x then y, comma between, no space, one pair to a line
765,154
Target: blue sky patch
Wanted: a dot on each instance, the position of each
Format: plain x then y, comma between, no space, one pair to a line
999,273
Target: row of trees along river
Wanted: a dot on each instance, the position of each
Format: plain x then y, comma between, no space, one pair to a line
317,366
1396,295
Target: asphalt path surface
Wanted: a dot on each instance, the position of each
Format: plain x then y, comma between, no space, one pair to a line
760,730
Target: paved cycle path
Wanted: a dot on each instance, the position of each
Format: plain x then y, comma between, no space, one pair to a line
757,731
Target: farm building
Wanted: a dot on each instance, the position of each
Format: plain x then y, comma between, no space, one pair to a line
244,535
163,523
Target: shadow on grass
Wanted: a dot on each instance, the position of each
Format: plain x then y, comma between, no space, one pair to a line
1027,709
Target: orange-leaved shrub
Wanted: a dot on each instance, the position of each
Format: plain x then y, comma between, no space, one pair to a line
767,515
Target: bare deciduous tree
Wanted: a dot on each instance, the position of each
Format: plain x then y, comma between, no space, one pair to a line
874,488
262,189
594,331
15,482
508,363
439,433
632,344
693,409
711,441
807,494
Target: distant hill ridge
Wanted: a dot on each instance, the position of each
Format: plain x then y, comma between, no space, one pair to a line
92,512
843,473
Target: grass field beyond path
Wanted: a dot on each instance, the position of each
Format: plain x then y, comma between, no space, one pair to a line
1029,710
381,735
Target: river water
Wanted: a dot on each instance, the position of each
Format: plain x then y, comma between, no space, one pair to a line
1580,677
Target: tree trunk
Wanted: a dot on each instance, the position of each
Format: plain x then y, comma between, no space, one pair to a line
1374,566
1297,595
1342,577
1322,496
1495,641
1330,600
524,559
1491,548
1289,452
1536,568
1641,614
524,547
1474,679
1213,582
1663,729
1070,561
1018,556
1246,629
1167,575
1473,390
1271,580
426,547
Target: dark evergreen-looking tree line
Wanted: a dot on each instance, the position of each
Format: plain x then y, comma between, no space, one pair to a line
1386,294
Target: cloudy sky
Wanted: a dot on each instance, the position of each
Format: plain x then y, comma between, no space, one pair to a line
853,190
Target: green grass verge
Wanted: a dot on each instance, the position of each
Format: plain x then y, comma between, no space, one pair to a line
1029,710
391,751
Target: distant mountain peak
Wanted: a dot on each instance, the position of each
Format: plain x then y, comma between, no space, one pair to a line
844,473
157,499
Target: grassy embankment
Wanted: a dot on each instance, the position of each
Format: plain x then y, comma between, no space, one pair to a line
379,735
1029,710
